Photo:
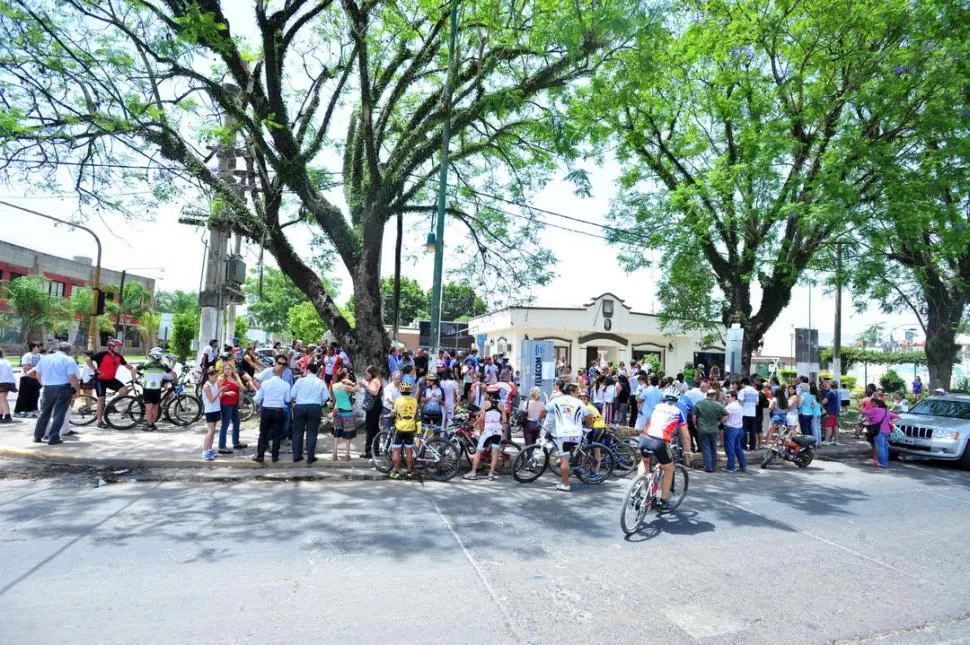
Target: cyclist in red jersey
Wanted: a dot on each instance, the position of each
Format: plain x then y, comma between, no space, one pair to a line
667,418
106,364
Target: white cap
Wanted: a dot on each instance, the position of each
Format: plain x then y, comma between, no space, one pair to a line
939,390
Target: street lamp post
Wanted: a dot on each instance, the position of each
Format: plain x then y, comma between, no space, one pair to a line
93,323
439,241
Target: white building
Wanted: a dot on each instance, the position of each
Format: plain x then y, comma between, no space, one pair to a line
604,329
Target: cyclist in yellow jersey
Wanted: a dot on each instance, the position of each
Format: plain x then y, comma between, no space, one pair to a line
406,424
597,429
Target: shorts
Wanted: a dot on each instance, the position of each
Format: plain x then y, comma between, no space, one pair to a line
831,421
493,440
403,440
152,396
566,444
779,419
344,427
8,387
596,434
211,417
102,386
88,384
327,378
656,447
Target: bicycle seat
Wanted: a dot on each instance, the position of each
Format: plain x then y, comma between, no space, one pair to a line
803,440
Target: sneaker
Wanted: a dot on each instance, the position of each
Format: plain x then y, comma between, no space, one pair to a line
240,446
410,474
564,489
225,451
205,455
492,477
663,506
596,475
102,424
470,476
394,475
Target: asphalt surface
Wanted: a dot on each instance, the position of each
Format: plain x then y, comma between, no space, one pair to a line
836,552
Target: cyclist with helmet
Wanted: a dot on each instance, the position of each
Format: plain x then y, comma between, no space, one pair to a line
106,363
406,424
568,416
156,371
666,419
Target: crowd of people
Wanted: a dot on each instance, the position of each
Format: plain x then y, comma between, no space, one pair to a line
296,386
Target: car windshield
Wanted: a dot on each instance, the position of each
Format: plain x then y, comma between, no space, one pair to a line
942,408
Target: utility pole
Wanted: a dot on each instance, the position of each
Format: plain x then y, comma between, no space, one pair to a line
121,308
439,251
211,299
837,333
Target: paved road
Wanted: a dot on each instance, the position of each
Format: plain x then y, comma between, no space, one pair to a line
835,552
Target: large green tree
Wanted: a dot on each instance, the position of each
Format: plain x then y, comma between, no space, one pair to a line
176,302
459,302
746,131
150,83
916,235
270,294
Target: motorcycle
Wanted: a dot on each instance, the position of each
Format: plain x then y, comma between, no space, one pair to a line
798,449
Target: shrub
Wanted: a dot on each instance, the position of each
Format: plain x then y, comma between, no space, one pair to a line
787,375
848,382
892,382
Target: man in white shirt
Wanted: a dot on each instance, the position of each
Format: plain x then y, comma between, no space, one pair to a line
568,416
449,396
748,398
57,374
391,392
273,397
308,395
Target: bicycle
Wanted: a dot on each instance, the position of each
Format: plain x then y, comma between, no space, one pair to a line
645,494
464,438
437,456
534,459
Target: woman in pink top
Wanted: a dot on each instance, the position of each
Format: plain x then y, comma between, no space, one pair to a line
878,420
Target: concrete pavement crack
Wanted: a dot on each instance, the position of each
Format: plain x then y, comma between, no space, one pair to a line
819,538
925,627
506,618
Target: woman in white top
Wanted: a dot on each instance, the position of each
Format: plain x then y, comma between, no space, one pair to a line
609,396
449,394
211,394
29,394
7,384
491,421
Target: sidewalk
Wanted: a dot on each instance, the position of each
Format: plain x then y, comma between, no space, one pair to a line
176,447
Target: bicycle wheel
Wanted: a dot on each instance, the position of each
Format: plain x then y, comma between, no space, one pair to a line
678,487
625,458
184,409
83,411
124,412
440,458
381,452
508,452
631,515
247,408
587,469
529,465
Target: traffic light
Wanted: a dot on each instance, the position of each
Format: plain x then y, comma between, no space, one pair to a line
100,309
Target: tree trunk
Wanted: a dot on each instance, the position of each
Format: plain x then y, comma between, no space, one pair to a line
372,343
942,318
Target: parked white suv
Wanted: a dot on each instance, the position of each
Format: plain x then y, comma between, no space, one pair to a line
937,427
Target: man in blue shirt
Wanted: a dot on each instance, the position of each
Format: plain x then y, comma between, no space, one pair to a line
57,373
308,396
647,400
273,398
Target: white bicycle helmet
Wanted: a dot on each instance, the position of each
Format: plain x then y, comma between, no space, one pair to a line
156,354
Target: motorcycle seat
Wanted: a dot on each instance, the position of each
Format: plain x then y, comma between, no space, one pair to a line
802,440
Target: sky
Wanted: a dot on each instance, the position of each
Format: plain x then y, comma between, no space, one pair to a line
172,253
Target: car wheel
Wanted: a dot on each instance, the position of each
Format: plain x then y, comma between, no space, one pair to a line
965,459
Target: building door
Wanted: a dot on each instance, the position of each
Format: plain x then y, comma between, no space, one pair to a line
592,357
